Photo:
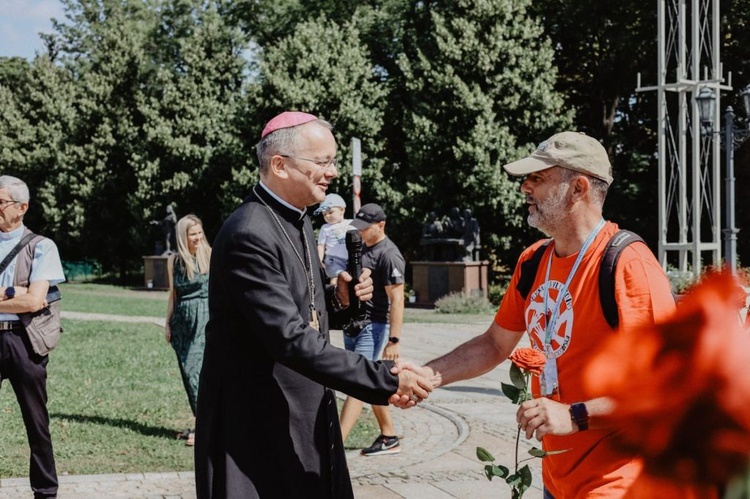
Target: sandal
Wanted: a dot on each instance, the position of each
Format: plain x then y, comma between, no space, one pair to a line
190,440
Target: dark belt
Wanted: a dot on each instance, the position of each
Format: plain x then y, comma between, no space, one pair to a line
10,325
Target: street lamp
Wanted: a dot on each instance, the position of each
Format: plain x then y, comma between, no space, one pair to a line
706,105
733,139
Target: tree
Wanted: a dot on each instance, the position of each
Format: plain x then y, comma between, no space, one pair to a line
599,50
157,87
479,80
35,133
323,68
192,110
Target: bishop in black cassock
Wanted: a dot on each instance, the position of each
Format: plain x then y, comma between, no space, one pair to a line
267,422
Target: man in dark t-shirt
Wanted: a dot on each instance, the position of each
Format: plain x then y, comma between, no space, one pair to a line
384,318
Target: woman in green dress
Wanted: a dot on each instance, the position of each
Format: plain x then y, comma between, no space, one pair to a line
187,312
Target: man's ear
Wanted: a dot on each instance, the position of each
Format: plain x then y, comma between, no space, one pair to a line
278,167
580,187
23,208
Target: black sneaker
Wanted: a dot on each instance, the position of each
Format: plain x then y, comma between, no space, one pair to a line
382,445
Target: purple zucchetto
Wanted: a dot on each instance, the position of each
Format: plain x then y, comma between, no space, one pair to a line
287,119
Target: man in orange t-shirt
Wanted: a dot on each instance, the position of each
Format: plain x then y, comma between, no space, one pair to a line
566,183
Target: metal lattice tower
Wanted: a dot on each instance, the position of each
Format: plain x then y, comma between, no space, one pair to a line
689,169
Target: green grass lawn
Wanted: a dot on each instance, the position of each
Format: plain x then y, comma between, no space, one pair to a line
116,400
107,299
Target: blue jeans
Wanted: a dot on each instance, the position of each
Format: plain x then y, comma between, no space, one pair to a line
547,495
370,342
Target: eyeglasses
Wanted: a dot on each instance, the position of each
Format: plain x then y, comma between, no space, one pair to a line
6,202
333,162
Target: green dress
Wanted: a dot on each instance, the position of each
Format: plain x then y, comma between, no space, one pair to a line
188,327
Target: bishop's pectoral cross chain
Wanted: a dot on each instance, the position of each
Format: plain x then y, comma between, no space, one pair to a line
310,277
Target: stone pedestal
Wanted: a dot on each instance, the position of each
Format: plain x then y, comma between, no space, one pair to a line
433,280
155,272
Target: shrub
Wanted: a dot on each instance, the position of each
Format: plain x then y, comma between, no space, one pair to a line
496,292
459,303
681,280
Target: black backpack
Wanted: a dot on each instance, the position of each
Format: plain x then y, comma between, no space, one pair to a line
621,240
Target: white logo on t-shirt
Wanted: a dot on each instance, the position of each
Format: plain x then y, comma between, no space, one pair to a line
537,317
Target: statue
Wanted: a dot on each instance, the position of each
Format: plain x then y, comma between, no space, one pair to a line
454,224
471,237
167,225
454,239
433,227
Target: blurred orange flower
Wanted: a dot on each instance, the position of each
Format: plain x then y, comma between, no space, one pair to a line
647,487
529,360
681,389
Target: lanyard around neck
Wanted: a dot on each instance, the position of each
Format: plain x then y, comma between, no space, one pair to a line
552,320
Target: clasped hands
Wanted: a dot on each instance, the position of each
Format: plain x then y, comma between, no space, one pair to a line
415,384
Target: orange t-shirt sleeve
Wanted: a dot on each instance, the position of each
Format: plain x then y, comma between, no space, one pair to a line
642,289
511,313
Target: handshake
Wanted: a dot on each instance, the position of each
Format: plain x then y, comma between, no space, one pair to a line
415,384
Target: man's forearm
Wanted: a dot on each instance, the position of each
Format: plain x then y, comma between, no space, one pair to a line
475,357
21,304
396,318
29,299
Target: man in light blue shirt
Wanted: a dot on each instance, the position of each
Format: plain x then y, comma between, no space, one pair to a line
25,369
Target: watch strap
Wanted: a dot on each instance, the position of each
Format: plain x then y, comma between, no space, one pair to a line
580,415
394,339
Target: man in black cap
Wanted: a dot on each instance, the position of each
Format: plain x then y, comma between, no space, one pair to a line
384,318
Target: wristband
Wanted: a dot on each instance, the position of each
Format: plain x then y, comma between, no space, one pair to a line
335,302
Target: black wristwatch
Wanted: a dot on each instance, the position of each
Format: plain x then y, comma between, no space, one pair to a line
394,339
580,415
10,292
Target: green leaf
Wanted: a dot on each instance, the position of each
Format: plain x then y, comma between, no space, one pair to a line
492,470
541,453
537,452
484,455
514,480
526,478
520,481
517,377
513,393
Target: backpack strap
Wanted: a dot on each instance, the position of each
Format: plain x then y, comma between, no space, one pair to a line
621,240
529,269
27,236
23,264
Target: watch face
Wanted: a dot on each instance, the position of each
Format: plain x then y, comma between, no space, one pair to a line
10,292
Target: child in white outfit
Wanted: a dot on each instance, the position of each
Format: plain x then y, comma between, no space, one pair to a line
332,238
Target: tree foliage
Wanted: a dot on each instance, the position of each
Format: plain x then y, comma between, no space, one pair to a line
139,111
479,80
324,68
137,104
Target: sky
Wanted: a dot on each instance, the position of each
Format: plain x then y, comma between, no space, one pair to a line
20,24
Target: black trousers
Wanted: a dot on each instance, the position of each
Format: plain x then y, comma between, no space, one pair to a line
27,373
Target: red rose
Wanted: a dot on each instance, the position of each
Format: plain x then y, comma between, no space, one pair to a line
681,388
529,360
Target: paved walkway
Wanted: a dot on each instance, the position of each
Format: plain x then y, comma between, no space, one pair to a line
439,439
